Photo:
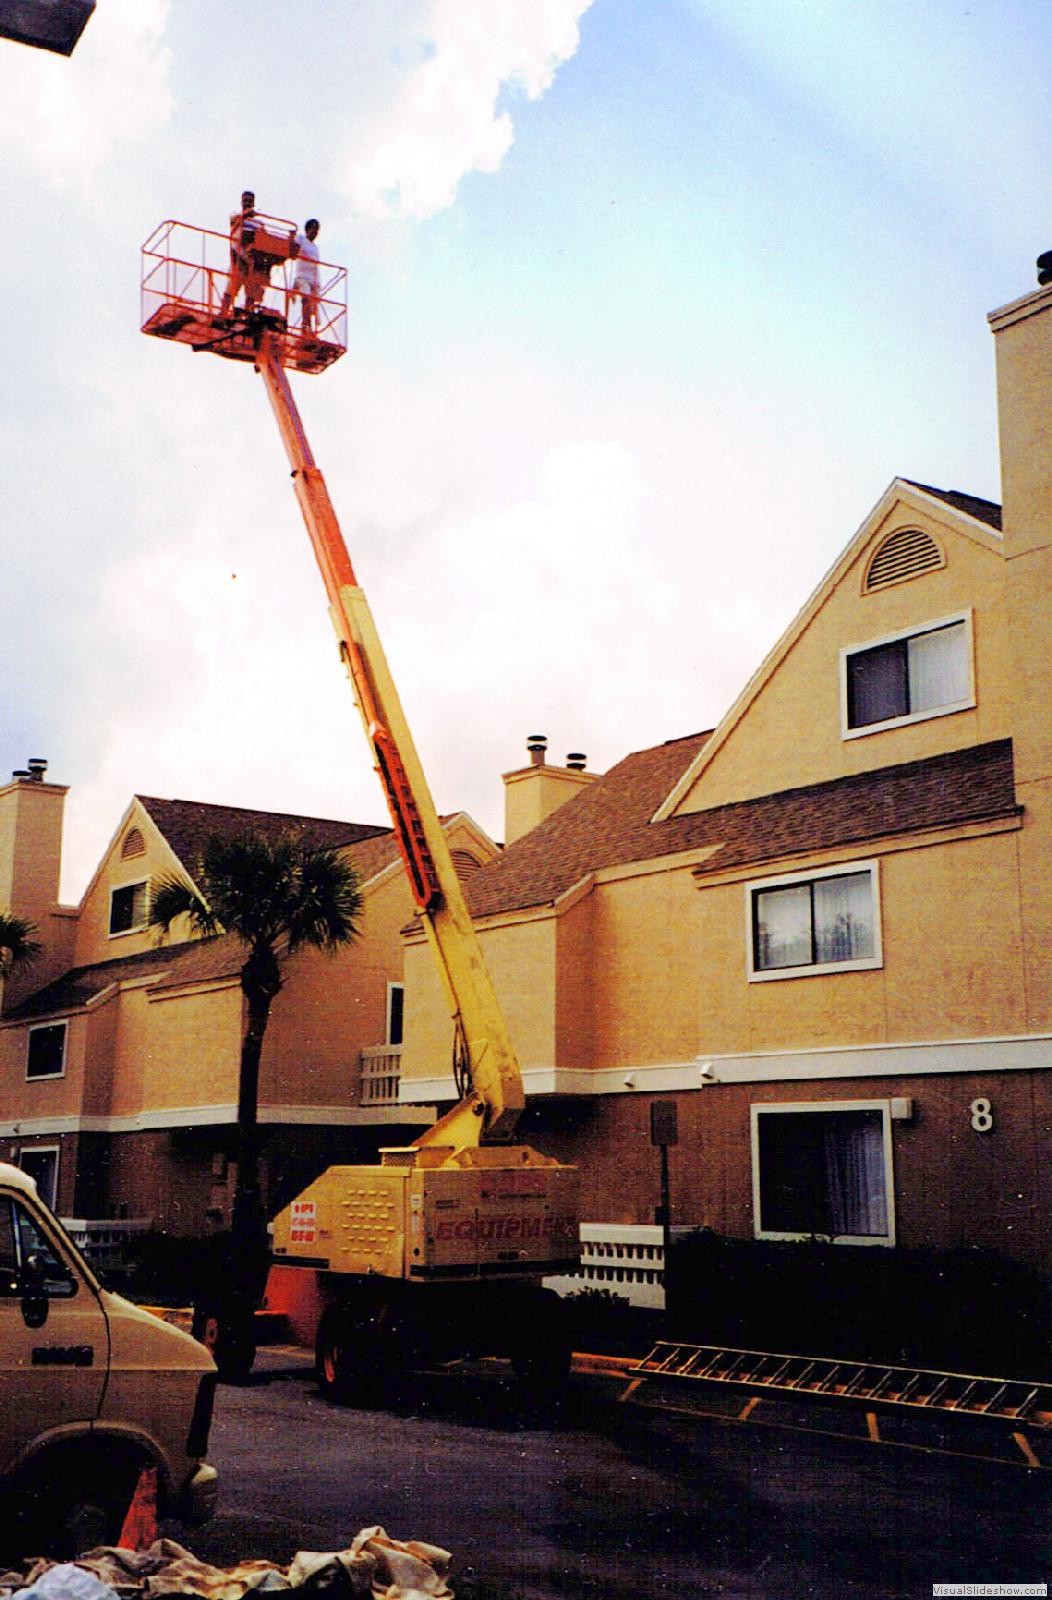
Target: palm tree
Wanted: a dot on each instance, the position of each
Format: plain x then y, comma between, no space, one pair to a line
276,897
17,945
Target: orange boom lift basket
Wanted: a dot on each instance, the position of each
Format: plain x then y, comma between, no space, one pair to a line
186,285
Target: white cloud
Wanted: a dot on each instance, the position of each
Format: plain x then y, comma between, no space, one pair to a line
61,118
445,121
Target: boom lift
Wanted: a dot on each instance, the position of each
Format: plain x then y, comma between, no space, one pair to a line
438,1251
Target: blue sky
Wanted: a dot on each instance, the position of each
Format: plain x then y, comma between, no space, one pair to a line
650,299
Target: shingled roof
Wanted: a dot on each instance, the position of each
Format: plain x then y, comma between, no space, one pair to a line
987,511
187,824
608,824
80,984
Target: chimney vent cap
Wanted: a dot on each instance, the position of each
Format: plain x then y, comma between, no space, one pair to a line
537,744
576,760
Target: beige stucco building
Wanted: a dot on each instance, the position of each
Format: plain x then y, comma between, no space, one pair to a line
823,927
823,930
119,1055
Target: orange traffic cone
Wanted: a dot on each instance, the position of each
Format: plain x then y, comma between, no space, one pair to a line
140,1524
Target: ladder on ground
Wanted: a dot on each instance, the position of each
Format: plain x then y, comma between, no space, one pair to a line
973,1408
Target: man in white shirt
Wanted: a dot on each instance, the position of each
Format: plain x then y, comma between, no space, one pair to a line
305,273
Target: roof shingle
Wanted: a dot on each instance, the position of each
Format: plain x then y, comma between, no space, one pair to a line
987,511
609,823
187,824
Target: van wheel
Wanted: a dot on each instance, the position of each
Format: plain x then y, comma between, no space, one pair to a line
77,1503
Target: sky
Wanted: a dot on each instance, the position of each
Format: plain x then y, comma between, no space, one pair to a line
649,300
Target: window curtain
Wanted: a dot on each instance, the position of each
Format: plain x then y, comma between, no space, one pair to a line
783,927
938,668
854,1167
843,918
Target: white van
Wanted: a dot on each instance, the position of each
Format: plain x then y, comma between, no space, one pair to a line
92,1390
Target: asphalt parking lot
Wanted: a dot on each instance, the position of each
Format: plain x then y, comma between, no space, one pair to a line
608,1500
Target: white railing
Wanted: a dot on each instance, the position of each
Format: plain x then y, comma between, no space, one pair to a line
624,1258
381,1074
103,1242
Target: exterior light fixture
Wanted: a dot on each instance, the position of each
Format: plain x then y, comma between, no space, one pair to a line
46,24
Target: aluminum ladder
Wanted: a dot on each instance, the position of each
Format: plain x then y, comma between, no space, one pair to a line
1017,1409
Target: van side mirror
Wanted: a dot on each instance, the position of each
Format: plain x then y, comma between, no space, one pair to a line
34,1292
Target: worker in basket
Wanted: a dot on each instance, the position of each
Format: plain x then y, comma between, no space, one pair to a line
243,277
305,274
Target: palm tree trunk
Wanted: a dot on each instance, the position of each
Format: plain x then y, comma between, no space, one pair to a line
247,1197
248,1223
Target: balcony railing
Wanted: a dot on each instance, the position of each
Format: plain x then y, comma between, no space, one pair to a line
381,1074
625,1259
105,1243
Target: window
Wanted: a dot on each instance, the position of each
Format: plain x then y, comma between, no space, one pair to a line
395,1012
40,1162
910,676
129,906
23,1245
804,924
823,1170
46,1051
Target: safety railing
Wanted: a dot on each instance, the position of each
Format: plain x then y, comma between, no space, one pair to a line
185,295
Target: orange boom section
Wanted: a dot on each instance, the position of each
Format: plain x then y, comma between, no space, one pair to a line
193,291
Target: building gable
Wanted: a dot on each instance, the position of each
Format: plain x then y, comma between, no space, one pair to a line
925,561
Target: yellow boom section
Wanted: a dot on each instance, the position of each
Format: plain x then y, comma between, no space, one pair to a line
490,1110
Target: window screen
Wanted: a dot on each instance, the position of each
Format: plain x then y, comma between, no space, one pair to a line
908,676
820,923
46,1051
822,1172
128,907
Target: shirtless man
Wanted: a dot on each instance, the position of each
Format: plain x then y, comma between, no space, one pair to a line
242,273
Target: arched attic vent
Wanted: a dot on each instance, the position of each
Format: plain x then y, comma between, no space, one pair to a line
906,553
133,845
465,863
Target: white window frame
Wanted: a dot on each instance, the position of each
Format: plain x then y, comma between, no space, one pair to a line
51,1201
136,927
775,1108
47,1077
967,704
844,869
391,987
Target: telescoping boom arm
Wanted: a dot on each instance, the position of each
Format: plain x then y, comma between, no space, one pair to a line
490,1109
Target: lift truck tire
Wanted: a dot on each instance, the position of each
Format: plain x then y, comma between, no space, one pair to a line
367,1336
352,1351
541,1353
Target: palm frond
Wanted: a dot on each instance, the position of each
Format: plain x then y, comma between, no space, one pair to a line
17,944
175,897
328,902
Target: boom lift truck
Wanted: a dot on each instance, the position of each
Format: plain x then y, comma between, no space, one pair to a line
439,1251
